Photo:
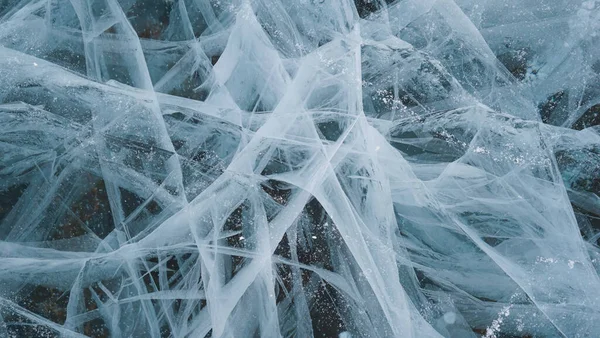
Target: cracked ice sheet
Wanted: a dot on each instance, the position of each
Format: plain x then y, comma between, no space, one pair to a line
272,168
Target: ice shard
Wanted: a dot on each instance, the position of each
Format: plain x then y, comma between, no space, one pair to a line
309,168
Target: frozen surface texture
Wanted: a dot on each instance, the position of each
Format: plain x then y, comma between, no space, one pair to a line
299,168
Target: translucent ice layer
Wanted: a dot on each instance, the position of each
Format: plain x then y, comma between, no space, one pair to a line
299,168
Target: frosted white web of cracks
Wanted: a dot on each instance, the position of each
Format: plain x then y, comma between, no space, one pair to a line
488,217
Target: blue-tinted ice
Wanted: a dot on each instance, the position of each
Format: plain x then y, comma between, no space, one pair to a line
299,168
